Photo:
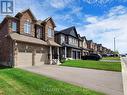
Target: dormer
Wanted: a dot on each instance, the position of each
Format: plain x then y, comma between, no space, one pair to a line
49,26
26,22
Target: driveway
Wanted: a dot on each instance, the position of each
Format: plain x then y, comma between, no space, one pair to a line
103,81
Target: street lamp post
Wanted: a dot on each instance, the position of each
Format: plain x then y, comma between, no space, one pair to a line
114,44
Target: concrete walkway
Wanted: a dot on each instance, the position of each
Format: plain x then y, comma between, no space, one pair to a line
103,81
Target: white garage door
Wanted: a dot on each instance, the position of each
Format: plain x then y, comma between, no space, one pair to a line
24,59
40,58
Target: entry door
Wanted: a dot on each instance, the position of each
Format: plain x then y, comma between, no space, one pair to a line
74,54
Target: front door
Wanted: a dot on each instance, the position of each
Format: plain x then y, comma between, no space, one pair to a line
74,54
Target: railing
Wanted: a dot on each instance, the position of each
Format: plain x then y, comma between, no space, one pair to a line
55,61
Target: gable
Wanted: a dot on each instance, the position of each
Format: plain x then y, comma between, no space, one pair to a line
26,13
50,22
26,16
73,33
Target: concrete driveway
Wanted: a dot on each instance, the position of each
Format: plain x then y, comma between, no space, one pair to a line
103,81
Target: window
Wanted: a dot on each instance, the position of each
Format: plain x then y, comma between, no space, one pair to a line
27,27
70,40
14,26
49,32
39,33
62,39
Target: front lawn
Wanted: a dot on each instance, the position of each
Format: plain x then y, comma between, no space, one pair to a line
19,82
111,58
110,66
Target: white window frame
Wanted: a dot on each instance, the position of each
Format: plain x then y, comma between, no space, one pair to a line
62,39
50,32
14,26
27,27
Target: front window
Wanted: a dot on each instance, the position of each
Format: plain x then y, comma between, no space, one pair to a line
27,27
62,39
49,32
14,26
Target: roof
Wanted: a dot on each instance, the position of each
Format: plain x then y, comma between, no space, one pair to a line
84,38
79,37
39,22
27,39
67,31
52,43
47,19
23,11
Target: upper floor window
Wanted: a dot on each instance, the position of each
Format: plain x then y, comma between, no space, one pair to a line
39,33
14,26
27,27
62,39
50,32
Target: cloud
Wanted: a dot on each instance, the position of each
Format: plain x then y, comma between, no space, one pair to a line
103,2
103,29
60,3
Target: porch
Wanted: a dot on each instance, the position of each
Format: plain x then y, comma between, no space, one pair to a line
53,52
70,53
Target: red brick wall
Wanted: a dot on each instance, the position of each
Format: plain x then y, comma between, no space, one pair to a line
5,44
48,24
26,16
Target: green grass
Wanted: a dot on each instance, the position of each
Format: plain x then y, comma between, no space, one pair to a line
19,82
110,66
111,58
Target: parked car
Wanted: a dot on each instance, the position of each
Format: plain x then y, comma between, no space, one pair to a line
123,55
92,57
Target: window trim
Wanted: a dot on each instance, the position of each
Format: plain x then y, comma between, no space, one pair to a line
12,27
27,27
51,34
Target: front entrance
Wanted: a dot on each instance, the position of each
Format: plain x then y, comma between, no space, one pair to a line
74,54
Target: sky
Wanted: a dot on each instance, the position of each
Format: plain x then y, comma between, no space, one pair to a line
98,20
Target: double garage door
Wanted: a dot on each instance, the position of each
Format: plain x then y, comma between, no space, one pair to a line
30,59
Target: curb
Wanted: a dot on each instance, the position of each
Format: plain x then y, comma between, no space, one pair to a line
124,75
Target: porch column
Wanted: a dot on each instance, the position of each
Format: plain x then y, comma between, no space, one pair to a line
50,53
58,62
76,54
80,55
15,56
65,52
72,54
15,53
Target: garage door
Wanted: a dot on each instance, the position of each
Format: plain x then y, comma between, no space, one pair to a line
40,58
24,59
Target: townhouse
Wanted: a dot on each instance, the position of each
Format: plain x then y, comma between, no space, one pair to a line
99,48
26,41
85,50
90,46
71,43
